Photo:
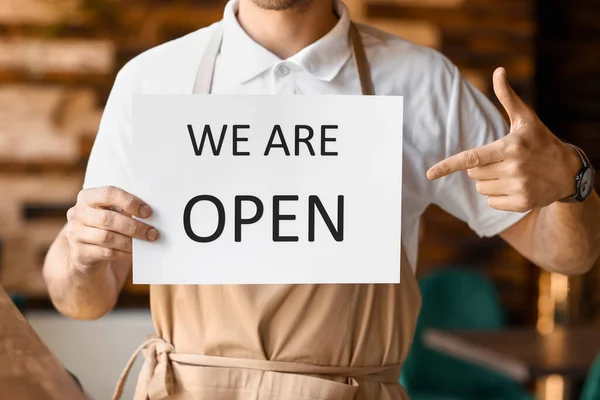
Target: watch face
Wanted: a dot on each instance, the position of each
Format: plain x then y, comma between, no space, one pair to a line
587,183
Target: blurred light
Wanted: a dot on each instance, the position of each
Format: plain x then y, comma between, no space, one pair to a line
545,326
546,305
559,287
555,386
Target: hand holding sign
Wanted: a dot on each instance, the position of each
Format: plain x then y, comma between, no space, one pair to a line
528,168
98,233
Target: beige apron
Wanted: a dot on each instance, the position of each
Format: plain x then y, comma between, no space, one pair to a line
278,342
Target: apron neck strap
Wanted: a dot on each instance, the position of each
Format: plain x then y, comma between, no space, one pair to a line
206,69
361,61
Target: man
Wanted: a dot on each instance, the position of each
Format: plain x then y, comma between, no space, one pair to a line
319,341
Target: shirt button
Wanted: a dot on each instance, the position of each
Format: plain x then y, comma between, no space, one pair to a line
282,70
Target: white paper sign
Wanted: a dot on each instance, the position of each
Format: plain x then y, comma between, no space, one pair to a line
291,189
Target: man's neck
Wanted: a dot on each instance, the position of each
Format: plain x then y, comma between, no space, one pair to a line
285,33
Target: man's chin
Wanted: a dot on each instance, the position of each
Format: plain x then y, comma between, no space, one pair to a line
279,5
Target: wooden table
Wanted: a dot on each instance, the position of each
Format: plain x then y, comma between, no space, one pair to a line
523,354
28,370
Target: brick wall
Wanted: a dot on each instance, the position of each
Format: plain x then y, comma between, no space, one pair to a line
58,61
57,64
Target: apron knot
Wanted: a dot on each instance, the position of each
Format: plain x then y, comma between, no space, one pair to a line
155,381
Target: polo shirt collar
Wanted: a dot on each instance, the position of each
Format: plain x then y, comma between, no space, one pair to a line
245,59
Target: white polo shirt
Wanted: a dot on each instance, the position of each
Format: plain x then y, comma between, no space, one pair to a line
443,113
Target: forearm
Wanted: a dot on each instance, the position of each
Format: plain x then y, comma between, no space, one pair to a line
76,294
564,238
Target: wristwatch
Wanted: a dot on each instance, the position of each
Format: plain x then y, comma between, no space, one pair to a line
584,181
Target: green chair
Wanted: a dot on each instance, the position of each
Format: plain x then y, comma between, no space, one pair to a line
591,387
456,298
19,300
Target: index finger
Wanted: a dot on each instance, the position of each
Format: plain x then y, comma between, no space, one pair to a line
488,154
111,196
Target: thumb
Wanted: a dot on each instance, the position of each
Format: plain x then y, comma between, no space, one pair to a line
512,103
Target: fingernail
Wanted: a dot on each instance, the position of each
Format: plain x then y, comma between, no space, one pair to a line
152,234
145,211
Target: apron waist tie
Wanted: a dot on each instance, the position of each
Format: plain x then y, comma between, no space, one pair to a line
156,377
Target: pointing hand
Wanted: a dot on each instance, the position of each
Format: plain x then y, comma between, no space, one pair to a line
528,168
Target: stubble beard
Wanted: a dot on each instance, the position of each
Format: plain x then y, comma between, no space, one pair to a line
281,5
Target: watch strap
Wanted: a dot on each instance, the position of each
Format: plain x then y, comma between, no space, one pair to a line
585,164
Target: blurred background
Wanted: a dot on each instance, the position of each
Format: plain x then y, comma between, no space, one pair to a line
58,60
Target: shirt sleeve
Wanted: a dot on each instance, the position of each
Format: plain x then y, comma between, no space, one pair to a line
108,164
472,121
